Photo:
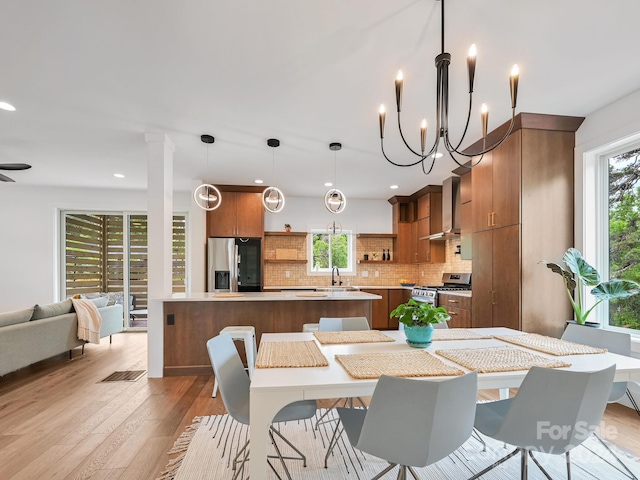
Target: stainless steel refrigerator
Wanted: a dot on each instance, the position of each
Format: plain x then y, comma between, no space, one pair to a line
234,265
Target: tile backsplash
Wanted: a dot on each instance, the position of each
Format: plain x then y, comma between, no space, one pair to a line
380,273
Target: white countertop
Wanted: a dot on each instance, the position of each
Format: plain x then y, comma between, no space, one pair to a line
269,297
311,287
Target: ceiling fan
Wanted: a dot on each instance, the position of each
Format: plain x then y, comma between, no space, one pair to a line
12,166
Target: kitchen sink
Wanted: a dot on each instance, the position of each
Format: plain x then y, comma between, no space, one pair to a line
337,289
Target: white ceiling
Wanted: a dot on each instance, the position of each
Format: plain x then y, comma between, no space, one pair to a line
88,79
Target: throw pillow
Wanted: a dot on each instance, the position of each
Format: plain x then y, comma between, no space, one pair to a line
13,318
52,310
115,298
100,302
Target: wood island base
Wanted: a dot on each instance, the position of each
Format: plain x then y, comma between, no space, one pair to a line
195,322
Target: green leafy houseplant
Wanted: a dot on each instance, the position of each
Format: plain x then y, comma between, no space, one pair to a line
415,314
580,274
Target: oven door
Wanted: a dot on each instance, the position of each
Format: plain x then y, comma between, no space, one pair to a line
430,298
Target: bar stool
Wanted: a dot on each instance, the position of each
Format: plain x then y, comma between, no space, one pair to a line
310,327
247,334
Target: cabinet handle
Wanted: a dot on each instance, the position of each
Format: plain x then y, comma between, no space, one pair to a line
489,219
452,301
493,219
453,313
493,297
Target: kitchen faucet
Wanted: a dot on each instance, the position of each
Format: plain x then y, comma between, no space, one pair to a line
333,282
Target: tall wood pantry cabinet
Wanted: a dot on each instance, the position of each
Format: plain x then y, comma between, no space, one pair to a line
522,214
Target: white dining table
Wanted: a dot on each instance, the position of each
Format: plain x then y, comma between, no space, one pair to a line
273,388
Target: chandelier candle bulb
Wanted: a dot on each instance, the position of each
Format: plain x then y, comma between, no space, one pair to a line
399,90
484,114
513,84
423,134
471,66
382,115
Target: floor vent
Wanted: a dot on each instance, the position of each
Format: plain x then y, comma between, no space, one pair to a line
124,376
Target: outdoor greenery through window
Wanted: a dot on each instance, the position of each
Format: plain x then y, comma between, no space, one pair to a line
331,250
624,234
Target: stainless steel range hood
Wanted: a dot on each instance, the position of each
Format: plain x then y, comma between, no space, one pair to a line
450,211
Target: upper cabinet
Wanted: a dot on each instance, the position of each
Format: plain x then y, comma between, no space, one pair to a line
496,185
240,214
414,218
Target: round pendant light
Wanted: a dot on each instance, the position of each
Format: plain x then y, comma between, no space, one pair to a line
334,200
207,196
272,197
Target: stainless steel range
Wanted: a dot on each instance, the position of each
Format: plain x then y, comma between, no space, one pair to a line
450,281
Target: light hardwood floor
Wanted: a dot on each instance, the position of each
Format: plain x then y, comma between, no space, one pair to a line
57,421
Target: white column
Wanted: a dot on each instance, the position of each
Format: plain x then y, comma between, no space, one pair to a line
159,238
197,241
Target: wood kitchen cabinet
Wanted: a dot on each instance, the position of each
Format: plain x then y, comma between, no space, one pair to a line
522,214
381,309
240,214
459,308
415,217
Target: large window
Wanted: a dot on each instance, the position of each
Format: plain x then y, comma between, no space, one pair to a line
624,232
329,249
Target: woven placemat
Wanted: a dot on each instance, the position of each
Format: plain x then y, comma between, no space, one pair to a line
550,345
290,355
456,334
498,359
398,364
354,336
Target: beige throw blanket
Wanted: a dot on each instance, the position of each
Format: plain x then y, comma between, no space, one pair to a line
89,320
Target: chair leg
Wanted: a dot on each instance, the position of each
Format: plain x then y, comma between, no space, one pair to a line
337,433
633,402
319,421
275,445
82,349
524,469
110,339
495,464
413,472
475,434
535,460
385,471
284,439
568,461
626,471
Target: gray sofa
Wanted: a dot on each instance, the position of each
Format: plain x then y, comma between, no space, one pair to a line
48,331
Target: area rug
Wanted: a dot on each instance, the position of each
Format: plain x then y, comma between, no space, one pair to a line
205,451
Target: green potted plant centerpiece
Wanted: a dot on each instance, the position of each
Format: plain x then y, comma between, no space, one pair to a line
580,274
418,319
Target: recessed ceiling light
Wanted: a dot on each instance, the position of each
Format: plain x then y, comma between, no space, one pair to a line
258,181
118,175
393,187
328,184
7,106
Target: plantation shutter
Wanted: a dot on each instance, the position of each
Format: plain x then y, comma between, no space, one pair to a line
84,253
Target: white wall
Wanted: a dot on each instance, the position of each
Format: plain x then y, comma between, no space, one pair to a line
29,241
366,216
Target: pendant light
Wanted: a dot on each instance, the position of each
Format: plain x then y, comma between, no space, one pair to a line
272,197
334,199
207,196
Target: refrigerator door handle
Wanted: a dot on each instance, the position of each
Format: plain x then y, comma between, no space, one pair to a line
234,270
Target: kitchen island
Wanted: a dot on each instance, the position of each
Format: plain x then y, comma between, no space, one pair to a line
190,320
